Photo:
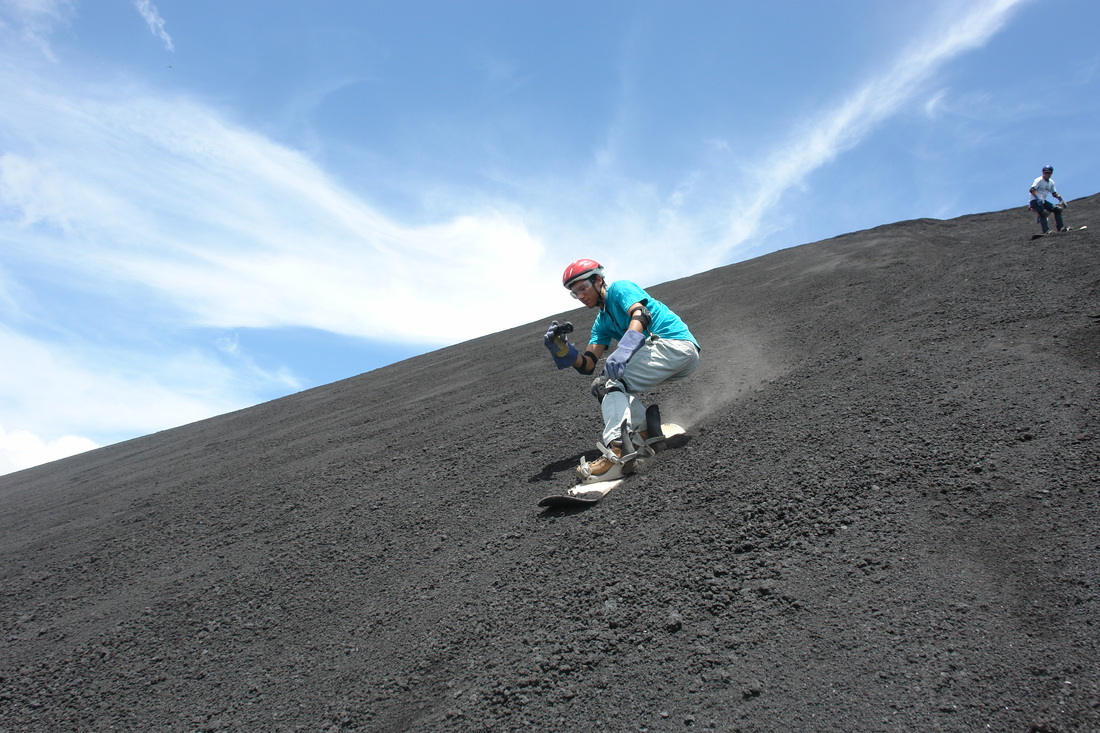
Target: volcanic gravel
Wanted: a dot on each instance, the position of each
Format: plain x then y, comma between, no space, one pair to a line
886,518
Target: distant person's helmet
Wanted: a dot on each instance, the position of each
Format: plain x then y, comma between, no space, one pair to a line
579,271
1048,169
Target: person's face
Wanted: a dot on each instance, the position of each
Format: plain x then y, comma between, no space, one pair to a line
1046,174
587,292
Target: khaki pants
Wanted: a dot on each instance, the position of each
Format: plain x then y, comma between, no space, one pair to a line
659,361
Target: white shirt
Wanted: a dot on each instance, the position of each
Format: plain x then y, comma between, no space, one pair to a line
1042,188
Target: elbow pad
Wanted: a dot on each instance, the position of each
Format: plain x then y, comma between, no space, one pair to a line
588,363
642,315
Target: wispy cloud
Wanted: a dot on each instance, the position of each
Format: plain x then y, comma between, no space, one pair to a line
935,103
820,140
156,23
234,230
711,217
160,206
31,21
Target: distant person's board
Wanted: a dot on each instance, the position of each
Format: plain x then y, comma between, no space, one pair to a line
583,495
1054,232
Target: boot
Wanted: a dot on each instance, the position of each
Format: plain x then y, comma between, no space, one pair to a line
607,467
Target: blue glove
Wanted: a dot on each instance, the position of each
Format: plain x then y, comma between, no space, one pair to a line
564,353
628,346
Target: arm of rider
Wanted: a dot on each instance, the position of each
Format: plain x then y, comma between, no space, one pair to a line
586,362
630,343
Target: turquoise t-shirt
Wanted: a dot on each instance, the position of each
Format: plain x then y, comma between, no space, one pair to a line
613,320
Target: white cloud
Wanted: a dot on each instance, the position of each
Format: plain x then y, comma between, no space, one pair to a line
156,23
190,222
107,392
235,230
57,396
20,449
117,194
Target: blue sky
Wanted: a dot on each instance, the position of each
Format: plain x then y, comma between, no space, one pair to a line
207,205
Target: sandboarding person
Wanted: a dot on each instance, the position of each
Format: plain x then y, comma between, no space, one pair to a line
654,347
1042,187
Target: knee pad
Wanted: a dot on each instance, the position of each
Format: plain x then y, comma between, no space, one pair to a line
602,386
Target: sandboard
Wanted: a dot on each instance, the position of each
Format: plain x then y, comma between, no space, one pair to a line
583,495
1053,232
586,495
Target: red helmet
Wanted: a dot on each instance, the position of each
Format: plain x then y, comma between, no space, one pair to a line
581,270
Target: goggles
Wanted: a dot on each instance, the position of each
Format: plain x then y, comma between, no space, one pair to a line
581,287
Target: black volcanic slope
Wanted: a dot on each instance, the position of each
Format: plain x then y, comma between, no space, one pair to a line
886,519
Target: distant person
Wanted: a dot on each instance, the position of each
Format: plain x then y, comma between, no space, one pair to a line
1042,187
654,346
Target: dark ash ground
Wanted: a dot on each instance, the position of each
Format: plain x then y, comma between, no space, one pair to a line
886,520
